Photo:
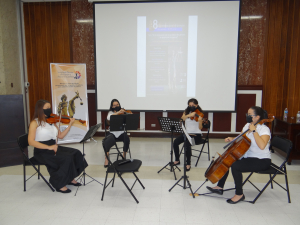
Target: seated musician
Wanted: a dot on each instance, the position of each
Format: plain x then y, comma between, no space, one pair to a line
63,163
257,157
115,109
193,128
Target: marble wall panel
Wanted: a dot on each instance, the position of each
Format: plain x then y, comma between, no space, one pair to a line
83,37
252,42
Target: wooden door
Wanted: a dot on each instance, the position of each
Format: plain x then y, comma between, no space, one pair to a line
48,40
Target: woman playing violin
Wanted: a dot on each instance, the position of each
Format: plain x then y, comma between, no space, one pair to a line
115,109
257,158
63,163
193,127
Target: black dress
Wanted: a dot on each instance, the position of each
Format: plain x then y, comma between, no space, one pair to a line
63,167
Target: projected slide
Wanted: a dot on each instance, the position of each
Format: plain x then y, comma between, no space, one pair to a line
157,55
166,51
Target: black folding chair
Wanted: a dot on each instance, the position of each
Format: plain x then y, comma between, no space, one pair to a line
204,141
284,145
131,166
23,144
119,153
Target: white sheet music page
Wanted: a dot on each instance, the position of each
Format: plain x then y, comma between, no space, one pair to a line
191,140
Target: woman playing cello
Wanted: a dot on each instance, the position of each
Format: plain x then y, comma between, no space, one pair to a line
193,127
257,157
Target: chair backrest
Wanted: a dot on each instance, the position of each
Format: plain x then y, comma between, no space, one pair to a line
23,143
207,125
283,144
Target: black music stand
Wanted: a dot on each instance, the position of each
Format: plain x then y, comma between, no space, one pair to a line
170,125
124,123
87,136
185,177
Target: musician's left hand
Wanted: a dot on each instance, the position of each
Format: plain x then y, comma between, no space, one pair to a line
72,120
252,127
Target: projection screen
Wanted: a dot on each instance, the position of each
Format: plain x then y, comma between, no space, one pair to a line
157,55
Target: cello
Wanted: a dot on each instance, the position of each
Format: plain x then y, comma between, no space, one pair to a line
238,147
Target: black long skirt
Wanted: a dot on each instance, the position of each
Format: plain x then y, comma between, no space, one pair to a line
63,167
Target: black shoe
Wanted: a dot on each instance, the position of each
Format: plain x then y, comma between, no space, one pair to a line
176,164
64,192
77,184
232,202
217,191
105,166
188,169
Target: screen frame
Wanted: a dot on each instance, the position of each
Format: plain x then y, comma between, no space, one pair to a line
166,1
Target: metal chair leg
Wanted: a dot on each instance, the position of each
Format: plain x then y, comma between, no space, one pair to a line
39,171
287,185
104,187
24,176
208,152
113,179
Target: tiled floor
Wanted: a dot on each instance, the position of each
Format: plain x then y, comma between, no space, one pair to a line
38,205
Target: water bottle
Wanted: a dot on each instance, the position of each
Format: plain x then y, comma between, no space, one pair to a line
298,117
285,114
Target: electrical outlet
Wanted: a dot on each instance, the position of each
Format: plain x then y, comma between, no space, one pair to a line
153,125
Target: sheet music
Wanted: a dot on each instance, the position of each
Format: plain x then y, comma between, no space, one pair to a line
191,140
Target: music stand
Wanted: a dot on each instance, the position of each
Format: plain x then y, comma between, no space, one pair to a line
170,125
87,136
185,177
124,123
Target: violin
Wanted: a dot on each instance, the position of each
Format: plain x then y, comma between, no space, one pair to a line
64,119
196,117
126,112
239,146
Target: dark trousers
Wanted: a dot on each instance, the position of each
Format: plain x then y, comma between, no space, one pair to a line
125,139
179,140
243,166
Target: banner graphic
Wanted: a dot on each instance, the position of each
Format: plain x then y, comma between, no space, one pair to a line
69,97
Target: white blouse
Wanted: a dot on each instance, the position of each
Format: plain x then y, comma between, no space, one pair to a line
45,132
192,126
254,151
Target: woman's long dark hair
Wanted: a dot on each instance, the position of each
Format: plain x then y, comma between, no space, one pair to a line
258,111
111,104
39,111
193,100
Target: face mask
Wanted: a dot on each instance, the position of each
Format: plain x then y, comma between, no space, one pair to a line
192,108
249,119
47,112
117,108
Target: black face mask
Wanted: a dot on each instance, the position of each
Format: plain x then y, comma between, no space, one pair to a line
47,112
192,108
249,119
117,108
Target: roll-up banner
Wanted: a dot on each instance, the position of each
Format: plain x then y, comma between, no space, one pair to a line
69,98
